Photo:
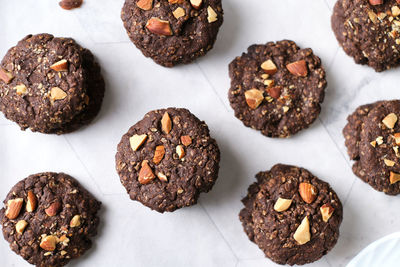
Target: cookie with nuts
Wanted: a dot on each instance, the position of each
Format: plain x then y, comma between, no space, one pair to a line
167,159
291,215
372,137
277,88
173,31
49,219
369,31
50,85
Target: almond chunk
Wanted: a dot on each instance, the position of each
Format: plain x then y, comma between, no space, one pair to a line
269,67
376,2
196,3
388,162
49,243
254,97
176,1
372,16
14,208
390,120
212,15
394,177
282,204
146,174
326,212
275,92
178,13
180,151
186,140
75,221
162,177
158,26
395,11
269,83
158,154
53,209
397,138
57,93
31,203
308,192
166,123
61,65
298,68
21,89
302,234
137,141
145,4
6,76
20,226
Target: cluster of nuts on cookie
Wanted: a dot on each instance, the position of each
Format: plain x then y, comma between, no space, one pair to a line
48,242
146,174
390,121
163,27
55,93
391,16
308,193
254,97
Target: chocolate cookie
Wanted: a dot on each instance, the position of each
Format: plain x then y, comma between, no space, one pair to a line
174,31
372,139
277,88
49,219
50,85
167,159
369,31
293,216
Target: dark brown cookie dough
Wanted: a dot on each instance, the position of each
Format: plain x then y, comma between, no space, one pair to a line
293,216
369,33
167,159
50,85
277,88
174,31
49,219
372,139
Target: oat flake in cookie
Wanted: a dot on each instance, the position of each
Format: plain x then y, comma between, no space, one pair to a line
49,219
172,31
293,216
50,85
372,139
369,31
167,159
277,88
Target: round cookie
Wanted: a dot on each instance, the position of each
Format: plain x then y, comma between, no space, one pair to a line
172,31
49,219
292,216
50,85
372,139
370,33
277,88
167,159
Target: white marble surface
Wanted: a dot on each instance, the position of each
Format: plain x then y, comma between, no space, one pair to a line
208,234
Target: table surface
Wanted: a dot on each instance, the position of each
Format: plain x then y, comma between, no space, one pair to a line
208,234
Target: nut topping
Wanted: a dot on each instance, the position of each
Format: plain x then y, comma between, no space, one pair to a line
137,141
158,26
57,93
275,92
394,177
186,140
282,204
212,15
269,67
145,4
13,208
397,138
162,177
390,120
196,3
75,221
53,209
254,97
146,174
158,154
32,202
302,234
376,2
395,11
326,212
179,12
49,243
21,89
61,65
166,123
176,1
6,76
20,226
388,162
180,151
308,192
298,68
